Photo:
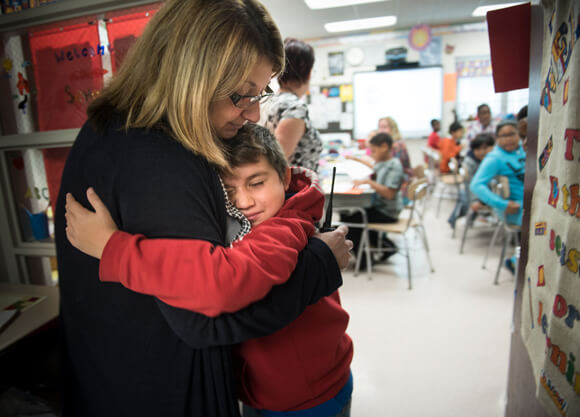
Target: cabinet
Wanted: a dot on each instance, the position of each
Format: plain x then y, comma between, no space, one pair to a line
33,130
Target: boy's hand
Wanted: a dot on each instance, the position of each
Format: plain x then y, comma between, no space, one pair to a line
88,231
512,207
338,244
356,183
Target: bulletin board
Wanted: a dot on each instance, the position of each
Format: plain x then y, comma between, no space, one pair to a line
550,317
330,109
411,96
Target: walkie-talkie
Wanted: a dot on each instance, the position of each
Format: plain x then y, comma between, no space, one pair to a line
326,227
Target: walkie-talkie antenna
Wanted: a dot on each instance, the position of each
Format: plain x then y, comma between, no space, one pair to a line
328,219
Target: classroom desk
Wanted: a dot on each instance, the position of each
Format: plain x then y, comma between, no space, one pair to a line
346,171
32,318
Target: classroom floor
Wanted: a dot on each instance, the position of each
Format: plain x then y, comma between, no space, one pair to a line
442,348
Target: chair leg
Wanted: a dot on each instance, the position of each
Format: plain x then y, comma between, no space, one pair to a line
493,238
506,241
468,224
408,254
423,235
439,202
362,243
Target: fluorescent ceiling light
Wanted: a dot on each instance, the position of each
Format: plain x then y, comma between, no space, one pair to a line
328,4
482,10
359,24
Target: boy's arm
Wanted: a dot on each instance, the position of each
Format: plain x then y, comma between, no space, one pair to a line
227,278
388,181
360,160
488,169
316,275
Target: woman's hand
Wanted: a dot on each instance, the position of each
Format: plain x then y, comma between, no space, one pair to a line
338,244
88,231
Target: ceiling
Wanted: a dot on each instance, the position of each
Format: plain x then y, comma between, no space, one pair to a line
296,20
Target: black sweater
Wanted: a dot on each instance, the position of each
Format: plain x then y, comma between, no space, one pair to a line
128,354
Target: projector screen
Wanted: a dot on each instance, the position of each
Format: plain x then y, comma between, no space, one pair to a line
410,96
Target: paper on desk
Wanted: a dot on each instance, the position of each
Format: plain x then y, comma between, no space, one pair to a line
19,302
6,317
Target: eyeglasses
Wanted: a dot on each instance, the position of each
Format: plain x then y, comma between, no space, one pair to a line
243,102
507,135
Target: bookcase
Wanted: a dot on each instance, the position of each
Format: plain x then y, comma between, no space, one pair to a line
55,59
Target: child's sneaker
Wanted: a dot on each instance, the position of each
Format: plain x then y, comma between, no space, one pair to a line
509,264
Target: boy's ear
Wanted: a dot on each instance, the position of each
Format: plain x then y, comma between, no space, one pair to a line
287,179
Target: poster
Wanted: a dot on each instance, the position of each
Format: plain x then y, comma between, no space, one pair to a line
551,298
68,72
123,31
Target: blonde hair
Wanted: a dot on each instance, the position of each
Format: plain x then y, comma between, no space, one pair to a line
395,134
191,53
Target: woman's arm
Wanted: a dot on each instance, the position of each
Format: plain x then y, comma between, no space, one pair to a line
317,275
288,133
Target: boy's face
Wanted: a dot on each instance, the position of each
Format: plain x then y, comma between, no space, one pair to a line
380,153
480,152
436,126
257,190
457,134
508,138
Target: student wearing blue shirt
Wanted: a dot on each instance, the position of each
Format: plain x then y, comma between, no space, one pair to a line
507,159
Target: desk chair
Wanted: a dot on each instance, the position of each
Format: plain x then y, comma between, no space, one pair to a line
452,180
432,172
417,191
510,232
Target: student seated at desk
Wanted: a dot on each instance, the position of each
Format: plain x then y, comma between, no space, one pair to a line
301,370
387,202
506,159
450,147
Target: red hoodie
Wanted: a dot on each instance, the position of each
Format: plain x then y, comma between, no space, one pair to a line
300,366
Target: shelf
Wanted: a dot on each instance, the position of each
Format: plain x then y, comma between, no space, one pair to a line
63,10
48,139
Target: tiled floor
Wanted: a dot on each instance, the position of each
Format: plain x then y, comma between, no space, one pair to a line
441,349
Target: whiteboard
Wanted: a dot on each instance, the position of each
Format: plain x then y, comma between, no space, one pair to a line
411,96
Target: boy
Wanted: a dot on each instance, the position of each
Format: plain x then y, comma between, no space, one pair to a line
387,201
506,159
304,366
433,139
478,148
450,147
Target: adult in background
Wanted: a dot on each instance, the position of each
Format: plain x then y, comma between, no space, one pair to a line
151,149
483,124
286,114
399,150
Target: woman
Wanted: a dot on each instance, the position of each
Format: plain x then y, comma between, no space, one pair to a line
389,125
286,114
150,149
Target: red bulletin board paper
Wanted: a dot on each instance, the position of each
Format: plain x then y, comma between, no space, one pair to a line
509,40
450,87
68,72
54,160
123,32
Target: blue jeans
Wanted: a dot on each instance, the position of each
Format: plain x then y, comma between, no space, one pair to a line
252,412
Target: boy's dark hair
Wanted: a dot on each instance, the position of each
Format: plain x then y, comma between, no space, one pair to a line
251,142
455,126
523,113
433,121
504,123
299,61
381,138
481,106
481,140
